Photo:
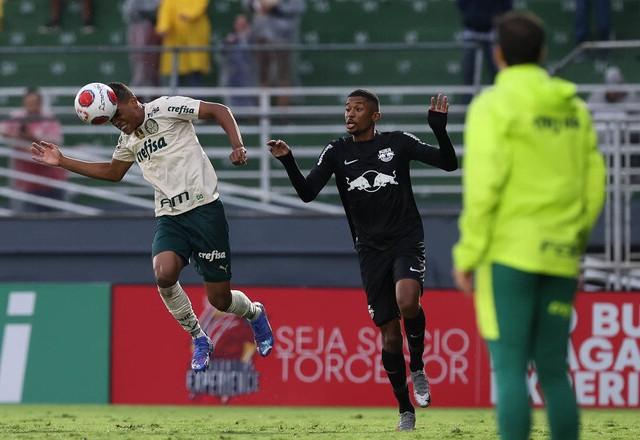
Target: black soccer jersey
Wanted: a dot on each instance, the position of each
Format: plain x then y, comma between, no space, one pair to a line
374,182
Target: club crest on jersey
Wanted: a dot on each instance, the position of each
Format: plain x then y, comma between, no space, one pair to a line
386,154
151,126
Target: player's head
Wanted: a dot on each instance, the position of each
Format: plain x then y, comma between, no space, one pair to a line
32,101
130,113
361,112
521,39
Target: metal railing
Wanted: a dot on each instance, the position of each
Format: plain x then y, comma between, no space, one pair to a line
588,47
312,115
264,123
616,267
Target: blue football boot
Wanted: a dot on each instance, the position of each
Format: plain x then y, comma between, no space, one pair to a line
202,349
262,332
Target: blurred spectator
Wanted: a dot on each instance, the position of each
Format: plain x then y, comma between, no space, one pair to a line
583,19
184,23
616,105
238,66
140,16
55,6
24,126
276,22
477,21
612,103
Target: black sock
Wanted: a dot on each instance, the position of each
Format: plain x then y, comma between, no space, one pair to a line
397,372
414,329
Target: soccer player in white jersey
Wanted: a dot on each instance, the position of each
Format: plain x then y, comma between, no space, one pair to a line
190,218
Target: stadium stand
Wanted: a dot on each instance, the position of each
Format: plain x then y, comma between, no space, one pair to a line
73,59
357,22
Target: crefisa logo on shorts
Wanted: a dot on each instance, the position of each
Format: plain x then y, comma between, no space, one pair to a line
231,371
213,255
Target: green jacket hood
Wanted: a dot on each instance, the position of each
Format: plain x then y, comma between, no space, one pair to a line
551,91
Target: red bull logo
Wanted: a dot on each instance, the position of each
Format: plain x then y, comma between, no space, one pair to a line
371,181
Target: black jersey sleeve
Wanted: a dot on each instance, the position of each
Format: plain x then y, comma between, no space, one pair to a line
308,188
443,157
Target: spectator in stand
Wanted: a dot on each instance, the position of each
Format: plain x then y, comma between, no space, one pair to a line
613,101
613,104
24,127
238,63
184,23
477,22
55,6
276,22
583,19
140,16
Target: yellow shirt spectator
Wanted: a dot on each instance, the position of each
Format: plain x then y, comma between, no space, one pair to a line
184,23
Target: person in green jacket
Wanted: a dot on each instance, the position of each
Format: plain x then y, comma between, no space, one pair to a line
534,185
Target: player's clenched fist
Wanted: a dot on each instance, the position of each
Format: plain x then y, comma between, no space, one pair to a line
238,156
278,148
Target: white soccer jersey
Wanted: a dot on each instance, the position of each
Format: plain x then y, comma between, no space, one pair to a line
170,156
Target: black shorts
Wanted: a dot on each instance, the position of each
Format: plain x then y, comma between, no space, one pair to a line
200,236
381,269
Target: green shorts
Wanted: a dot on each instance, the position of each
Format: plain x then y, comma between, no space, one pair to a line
201,236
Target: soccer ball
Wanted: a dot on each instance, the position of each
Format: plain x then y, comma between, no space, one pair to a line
96,103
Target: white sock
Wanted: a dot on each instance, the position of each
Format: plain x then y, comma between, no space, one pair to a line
242,306
179,306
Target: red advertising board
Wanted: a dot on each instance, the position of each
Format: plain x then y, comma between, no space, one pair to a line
604,354
328,351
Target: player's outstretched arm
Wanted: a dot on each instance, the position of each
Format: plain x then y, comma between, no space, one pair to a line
278,148
223,116
307,188
437,120
443,157
47,153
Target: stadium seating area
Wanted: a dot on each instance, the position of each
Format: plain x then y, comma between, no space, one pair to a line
353,22
356,22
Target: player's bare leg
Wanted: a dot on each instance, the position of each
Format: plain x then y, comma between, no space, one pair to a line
234,301
394,365
166,268
408,299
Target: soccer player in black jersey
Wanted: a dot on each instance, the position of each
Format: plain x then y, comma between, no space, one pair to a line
372,176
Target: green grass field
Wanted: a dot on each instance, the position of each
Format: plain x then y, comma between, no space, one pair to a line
230,423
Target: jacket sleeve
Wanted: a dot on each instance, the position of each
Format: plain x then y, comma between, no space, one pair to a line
595,181
486,167
163,22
